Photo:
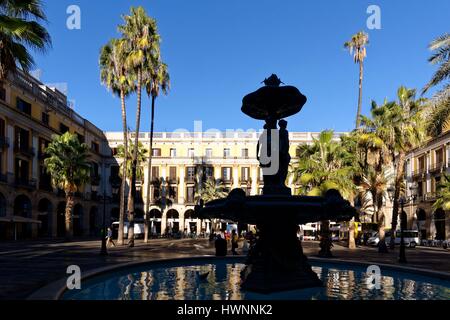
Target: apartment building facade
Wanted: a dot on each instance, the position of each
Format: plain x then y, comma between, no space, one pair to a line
180,158
30,113
424,169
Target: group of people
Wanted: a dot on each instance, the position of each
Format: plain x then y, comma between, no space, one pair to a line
221,240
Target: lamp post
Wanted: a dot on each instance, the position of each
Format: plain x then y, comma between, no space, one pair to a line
403,217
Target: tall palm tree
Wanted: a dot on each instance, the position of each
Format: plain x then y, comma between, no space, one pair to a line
357,46
68,165
115,77
20,29
408,123
158,80
440,57
139,31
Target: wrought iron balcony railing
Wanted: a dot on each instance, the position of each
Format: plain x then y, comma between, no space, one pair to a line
25,150
436,167
25,183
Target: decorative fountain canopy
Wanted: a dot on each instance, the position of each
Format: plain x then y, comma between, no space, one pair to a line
273,101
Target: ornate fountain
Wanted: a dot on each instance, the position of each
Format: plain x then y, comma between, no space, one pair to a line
276,262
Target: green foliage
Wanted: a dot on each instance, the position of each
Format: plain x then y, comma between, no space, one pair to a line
20,30
67,162
211,190
443,194
324,165
142,156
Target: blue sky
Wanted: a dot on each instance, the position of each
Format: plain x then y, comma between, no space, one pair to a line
218,51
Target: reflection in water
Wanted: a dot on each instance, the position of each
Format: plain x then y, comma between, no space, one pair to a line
223,283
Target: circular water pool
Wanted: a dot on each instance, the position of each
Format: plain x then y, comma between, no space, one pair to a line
183,280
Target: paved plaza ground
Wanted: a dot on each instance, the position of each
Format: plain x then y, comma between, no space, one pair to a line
29,265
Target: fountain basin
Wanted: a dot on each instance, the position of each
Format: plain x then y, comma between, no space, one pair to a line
178,280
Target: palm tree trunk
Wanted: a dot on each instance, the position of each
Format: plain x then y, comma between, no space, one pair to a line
398,181
69,216
124,169
358,113
134,163
382,248
149,181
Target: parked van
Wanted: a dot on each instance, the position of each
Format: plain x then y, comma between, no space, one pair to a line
411,238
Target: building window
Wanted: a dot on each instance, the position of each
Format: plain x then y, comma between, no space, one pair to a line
2,128
244,153
45,118
173,152
63,128
43,144
173,192
190,173
245,173
439,156
80,138
209,172
156,152
191,152
172,174
22,171
2,93
155,173
226,174
23,106
190,194
22,141
95,147
226,153
208,153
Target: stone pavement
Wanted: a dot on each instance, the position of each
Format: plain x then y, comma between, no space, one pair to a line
29,265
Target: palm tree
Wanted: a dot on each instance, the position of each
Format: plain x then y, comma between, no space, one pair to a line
140,34
20,29
322,166
439,117
115,77
443,196
441,57
407,121
158,80
210,190
68,165
357,46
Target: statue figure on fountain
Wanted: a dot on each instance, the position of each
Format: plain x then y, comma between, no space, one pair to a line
274,171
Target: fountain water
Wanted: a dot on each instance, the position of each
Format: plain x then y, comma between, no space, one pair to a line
276,262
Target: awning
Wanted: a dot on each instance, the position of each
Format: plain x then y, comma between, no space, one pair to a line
19,219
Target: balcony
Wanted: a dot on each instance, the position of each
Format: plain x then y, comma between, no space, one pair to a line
227,180
25,151
418,173
4,143
25,183
189,179
45,186
173,180
430,196
42,155
437,167
245,180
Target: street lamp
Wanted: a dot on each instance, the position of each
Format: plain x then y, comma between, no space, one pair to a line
403,217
